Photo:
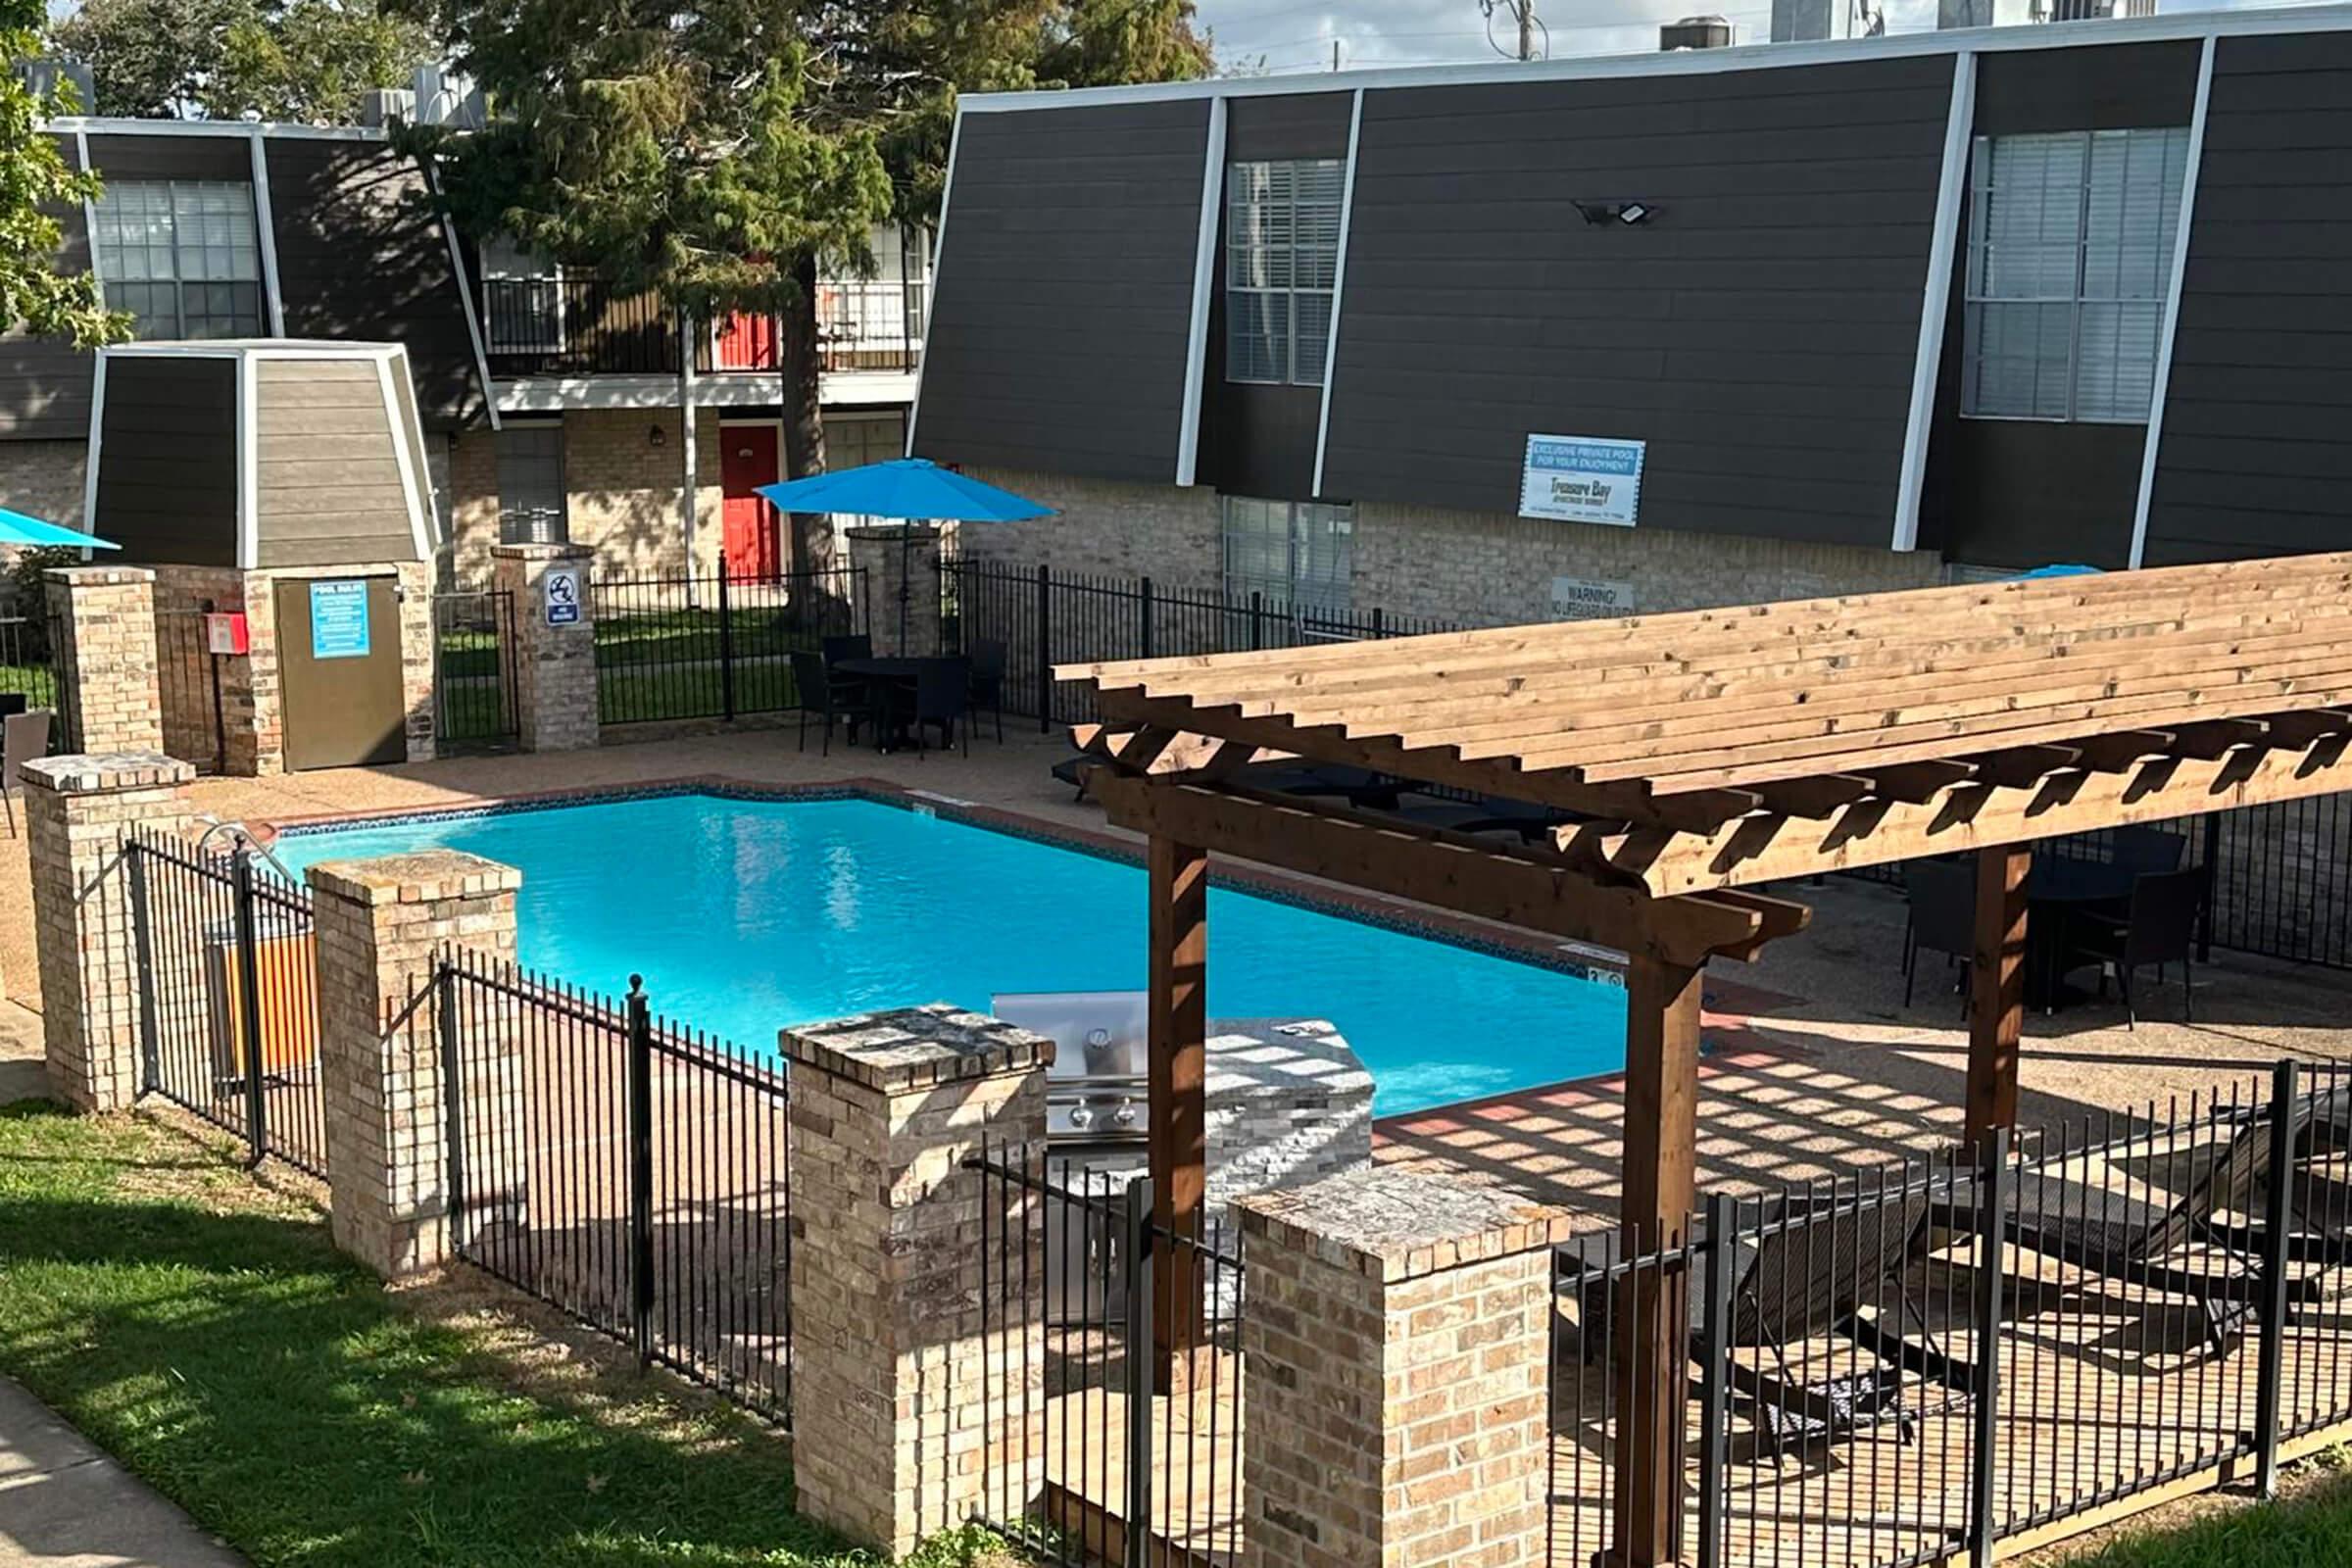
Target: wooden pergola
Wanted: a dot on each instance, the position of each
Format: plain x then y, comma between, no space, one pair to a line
1701,754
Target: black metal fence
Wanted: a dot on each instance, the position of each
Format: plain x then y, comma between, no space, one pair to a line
626,1170
1043,617
475,705
28,666
1917,1363
227,994
187,689
1113,1385
715,645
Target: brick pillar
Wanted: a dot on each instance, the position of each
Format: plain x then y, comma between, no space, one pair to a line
416,591
555,666
76,811
1395,1369
906,1415
886,564
106,658
380,925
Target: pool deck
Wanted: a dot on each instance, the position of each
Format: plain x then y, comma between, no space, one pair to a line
1815,1065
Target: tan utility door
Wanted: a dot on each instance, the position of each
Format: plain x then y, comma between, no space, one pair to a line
338,652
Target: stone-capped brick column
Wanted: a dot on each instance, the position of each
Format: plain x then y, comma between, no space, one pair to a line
889,562
381,924
555,666
906,1415
105,620
77,810
1395,1361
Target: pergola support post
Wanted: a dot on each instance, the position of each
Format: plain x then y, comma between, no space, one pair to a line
1996,979
1661,1150
1178,1087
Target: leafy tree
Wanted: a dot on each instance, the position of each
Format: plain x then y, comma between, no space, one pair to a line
300,61
718,153
35,186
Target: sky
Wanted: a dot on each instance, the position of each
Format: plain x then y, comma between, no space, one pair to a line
1296,35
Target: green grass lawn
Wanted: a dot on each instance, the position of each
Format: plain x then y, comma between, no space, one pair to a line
2311,1527
203,1330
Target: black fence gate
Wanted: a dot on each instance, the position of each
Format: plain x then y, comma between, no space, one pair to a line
474,707
27,666
1114,1367
623,1168
187,686
227,994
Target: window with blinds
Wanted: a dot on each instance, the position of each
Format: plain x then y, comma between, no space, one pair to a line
2070,257
531,508
1296,554
1282,258
184,257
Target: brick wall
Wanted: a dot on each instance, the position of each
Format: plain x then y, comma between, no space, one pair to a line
44,478
622,493
106,656
1476,568
185,670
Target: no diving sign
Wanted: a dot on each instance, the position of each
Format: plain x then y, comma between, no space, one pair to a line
563,595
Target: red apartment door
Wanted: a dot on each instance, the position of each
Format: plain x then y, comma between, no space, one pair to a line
747,458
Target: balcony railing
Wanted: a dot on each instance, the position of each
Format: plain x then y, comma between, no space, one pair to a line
547,326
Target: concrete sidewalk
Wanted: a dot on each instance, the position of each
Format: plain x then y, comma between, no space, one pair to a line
64,1504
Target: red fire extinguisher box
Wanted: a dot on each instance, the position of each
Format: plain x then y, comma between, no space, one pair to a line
225,632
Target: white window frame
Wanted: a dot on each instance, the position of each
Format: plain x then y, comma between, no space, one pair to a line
507,533
1297,370
1976,261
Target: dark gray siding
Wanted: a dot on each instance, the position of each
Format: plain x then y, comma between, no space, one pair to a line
168,460
2028,492
1058,334
1258,440
362,260
1760,333
2255,458
45,381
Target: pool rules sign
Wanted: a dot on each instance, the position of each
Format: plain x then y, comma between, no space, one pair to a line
1582,479
562,592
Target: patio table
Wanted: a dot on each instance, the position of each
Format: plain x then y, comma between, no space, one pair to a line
2054,887
883,676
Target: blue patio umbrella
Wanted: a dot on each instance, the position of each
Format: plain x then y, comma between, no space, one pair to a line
2062,570
16,528
908,490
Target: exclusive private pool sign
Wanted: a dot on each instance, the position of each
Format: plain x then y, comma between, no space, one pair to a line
1582,479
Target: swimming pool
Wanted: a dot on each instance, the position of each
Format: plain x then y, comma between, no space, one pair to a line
748,915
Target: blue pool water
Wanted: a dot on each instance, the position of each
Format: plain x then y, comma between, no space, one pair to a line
748,915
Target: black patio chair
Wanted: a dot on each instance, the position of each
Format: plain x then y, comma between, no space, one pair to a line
1800,1277
2114,1234
941,697
988,679
2143,851
850,692
818,696
1943,895
2159,927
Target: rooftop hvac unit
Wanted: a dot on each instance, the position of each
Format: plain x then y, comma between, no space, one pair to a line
380,106
445,97
1696,33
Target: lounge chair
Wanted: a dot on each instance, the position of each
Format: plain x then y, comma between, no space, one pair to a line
2101,1230
1357,786
1071,771
1800,1279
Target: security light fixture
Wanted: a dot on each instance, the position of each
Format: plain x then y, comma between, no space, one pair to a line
1625,213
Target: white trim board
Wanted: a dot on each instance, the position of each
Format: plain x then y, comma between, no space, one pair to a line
116,125
2253,22
1944,244
1338,289
249,466
265,222
2171,330
1204,276
89,455
420,532
939,249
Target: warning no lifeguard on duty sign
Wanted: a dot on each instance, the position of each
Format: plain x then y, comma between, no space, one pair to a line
1582,479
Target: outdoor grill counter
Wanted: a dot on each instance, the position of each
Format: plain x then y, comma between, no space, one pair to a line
1287,1103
